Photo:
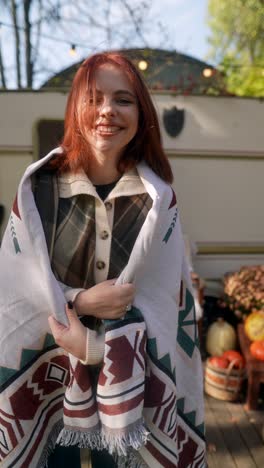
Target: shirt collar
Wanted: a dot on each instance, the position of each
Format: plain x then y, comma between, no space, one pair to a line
71,184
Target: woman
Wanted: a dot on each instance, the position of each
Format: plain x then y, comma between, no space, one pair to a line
113,237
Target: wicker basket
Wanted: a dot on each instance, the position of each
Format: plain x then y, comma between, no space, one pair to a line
223,384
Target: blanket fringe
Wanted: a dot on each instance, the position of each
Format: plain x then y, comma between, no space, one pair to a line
135,438
50,445
82,439
115,443
131,460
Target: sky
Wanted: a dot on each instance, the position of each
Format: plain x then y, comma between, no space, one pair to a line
183,22
186,23
168,24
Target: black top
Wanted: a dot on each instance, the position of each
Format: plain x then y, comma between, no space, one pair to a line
104,190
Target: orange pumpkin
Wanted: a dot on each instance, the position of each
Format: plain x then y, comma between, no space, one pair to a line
236,357
257,349
254,326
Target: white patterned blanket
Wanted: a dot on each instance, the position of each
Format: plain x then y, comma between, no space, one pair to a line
148,405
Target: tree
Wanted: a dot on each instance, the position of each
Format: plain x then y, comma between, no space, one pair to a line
18,16
237,43
36,32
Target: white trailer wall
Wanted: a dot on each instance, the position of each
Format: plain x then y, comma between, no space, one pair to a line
218,164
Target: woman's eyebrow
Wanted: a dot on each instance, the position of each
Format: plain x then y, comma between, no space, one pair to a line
118,91
125,91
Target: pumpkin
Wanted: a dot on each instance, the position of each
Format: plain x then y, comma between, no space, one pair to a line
219,362
254,326
235,357
221,337
257,349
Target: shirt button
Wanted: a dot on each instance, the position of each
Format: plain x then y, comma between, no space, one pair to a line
108,205
100,265
104,235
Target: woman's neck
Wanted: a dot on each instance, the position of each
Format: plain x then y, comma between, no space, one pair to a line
103,171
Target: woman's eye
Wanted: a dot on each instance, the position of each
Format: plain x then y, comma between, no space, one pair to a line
124,101
95,101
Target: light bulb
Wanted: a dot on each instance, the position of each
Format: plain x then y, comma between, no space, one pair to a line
207,72
143,65
72,50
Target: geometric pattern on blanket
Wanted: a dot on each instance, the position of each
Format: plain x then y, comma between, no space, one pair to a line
111,417
164,364
12,226
189,417
27,355
176,437
187,336
120,391
31,407
14,235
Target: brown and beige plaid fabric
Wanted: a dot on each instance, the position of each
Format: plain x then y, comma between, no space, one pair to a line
74,247
73,223
130,214
73,255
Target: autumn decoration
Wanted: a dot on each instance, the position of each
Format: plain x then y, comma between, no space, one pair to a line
224,375
221,337
257,350
254,326
244,290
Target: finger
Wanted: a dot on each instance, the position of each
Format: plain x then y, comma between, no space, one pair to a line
120,312
111,282
114,313
71,313
128,289
56,327
123,294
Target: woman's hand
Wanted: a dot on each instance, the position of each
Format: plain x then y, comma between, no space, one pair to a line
105,300
71,338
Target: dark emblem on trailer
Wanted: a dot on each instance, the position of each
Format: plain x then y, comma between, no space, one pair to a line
173,120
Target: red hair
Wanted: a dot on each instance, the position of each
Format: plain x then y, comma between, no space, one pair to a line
146,144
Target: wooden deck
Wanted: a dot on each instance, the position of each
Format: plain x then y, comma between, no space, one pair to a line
234,435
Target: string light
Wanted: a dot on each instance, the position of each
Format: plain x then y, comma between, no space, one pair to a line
207,72
47,36
142,65
72,50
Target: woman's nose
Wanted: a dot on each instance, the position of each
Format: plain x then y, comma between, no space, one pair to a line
107,108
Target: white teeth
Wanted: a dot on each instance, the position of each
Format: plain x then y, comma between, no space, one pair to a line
104,129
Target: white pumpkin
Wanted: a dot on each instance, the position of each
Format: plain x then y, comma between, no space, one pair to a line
221,337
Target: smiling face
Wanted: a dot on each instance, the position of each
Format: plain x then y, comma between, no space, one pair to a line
116,113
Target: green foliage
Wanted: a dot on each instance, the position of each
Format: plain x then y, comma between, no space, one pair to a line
237,43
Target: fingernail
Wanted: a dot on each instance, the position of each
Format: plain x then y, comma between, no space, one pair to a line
70,304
